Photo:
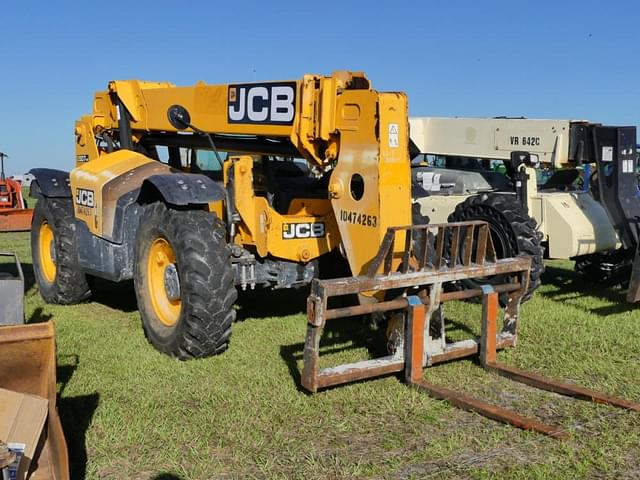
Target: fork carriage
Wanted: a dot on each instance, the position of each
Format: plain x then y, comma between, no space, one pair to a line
460,251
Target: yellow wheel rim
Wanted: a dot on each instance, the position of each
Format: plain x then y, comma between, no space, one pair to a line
46,248
161,256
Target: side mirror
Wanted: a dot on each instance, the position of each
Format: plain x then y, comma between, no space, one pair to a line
179,117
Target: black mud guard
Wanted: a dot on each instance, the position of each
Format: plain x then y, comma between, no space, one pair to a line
50,183
184,188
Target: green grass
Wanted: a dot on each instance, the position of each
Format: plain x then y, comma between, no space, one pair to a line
131,412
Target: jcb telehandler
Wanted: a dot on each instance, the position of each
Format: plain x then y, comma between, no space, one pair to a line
192,191
568,188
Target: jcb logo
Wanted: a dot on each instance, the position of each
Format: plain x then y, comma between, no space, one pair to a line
303,230
269,103
84,197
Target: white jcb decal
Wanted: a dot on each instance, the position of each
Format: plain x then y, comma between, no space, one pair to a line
267,103
84,198
303,230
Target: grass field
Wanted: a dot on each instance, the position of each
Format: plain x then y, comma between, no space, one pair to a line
131,412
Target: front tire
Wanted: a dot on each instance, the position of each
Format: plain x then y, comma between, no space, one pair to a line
54,253
184,282
513,232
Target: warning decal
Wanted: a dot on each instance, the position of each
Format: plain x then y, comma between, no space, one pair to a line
393,135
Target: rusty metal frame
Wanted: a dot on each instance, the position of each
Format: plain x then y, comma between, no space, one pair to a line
419,350
427,273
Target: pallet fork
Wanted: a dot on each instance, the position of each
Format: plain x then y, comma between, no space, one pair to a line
422,281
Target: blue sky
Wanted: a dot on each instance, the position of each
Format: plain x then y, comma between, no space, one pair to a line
542,59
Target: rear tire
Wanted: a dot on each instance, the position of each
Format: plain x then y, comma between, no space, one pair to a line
54,253
184,282
513,232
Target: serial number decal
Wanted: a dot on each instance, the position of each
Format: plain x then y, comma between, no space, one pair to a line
267,103
303,230
358,218
524,140
84,198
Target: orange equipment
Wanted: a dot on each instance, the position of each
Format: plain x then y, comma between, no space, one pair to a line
14,214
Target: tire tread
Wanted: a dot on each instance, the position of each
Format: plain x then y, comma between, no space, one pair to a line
207,282
521,230
70,285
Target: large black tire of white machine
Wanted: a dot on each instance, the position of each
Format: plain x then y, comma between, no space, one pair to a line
513,233
184,281
54,253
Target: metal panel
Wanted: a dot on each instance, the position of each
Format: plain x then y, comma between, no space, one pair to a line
492,138
11,292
